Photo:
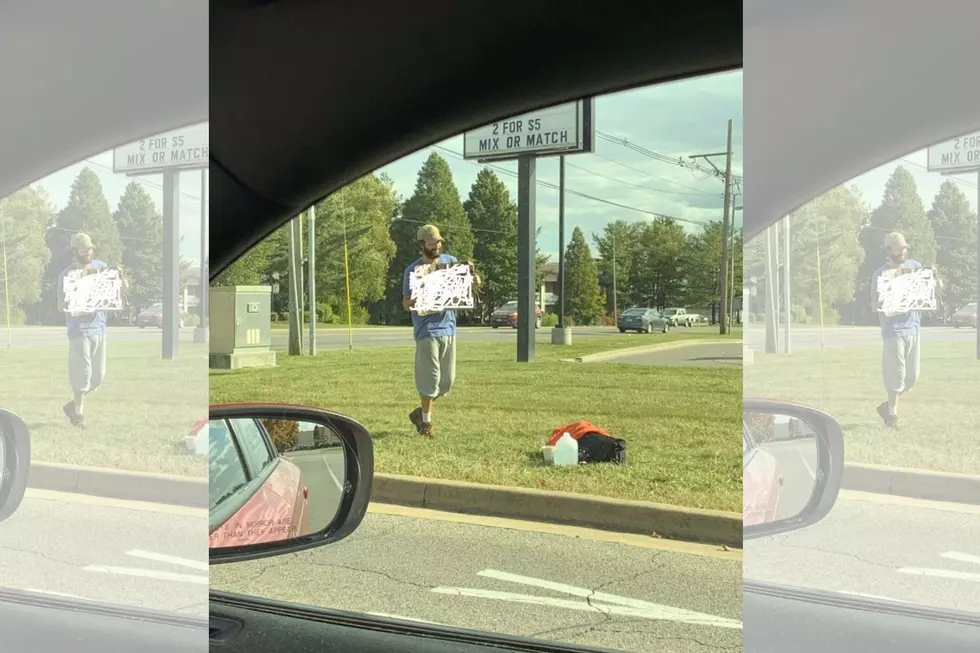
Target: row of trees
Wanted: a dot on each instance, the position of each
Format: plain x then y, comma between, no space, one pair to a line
657,263
849,237
37,236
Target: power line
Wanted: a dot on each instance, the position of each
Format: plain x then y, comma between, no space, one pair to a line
575,192
663,158
629,183
955,179
650,174
139,180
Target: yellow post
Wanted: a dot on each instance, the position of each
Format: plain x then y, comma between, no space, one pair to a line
820,290
6,285
350,327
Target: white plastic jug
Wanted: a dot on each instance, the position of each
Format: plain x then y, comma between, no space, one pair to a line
566,450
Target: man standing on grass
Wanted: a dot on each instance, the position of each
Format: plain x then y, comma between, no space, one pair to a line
86,334
435,335
900,334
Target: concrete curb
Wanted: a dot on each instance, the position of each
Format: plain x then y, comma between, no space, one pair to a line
642,517
120,484
645,349
912,483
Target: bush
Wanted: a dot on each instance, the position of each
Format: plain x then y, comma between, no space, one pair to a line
284,433
549,320
192,321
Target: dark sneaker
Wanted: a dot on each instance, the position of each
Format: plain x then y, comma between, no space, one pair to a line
427,430
76,419
883,413
416,418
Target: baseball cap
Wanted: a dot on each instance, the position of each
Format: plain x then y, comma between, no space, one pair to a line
895,240
429,233
81,241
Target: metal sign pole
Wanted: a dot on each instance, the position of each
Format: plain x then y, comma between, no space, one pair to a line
171,263
526,256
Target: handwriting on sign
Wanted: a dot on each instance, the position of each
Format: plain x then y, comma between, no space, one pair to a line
87,292
436,289
904,290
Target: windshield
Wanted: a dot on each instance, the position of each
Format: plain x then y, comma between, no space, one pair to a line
882,353
446,399
106,402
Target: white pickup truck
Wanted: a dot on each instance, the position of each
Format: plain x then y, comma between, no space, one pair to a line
680,317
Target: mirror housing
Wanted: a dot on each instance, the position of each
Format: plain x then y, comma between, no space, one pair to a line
355,492
15,461
830,465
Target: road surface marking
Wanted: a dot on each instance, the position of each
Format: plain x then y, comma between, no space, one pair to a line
962,557
171,560
88,499
332,475
947,573
61,594
941,573
147,573
872,596
594,535
595,601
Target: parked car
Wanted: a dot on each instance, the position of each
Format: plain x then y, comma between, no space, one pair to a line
680,317
153,317
506,315
642,320
761,485
240,450
965,317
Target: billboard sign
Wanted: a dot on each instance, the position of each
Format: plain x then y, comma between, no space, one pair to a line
180,149
961,154
562,129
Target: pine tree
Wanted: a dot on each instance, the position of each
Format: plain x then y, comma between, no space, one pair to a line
435,201
583,299
141,229
956,235
493,217
24,217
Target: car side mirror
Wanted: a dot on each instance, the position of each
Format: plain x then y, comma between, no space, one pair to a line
792,466
284,479
15,461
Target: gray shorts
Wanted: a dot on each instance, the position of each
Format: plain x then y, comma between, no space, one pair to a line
86,362
900,363
435,365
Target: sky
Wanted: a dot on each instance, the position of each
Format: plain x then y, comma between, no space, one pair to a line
58,187
677,120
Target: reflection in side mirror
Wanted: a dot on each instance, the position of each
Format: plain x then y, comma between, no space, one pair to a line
284,479
792,463
15,461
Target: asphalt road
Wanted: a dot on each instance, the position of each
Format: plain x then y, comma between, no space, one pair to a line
128,553
521,582
706,355
402,336
808,337
47,336
323,473
887,547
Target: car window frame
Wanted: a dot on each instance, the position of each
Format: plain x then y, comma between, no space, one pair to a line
227,509
266,441
239,455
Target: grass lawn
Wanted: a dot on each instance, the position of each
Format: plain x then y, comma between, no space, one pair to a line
940,417
681,424
145,406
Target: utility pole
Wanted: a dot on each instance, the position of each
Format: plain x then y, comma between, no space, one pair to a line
561,335
295,289
311,275
6,284
201,332
727,176
615,305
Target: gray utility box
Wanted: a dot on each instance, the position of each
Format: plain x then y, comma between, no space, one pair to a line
240,331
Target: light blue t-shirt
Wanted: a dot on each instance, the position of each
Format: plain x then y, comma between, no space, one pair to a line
437,324
91,324
906,324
